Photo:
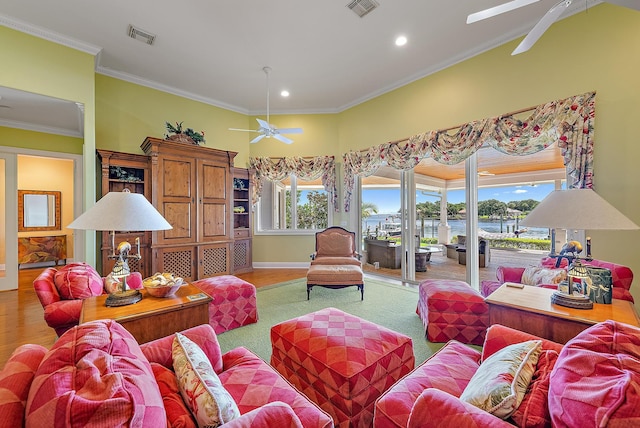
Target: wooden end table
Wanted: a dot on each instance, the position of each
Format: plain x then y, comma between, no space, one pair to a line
529,309
153,317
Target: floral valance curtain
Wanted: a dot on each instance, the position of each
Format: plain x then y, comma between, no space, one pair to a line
264,168
568,122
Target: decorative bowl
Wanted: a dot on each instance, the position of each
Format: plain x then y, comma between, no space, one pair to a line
162,285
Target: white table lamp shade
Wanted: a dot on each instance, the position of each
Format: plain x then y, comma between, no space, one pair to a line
580,209
123,211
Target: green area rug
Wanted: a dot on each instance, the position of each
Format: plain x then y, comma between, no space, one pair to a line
386,304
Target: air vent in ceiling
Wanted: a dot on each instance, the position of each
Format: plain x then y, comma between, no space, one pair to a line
362,7
141,35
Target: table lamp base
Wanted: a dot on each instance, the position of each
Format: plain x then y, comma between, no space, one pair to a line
576,301
123,298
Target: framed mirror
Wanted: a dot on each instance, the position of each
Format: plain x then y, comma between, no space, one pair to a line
38,210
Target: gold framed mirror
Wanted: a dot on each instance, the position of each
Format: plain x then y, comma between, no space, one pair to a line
38,210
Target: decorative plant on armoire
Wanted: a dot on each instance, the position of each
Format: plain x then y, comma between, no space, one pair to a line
176,133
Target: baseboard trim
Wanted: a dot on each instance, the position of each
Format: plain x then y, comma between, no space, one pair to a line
281,265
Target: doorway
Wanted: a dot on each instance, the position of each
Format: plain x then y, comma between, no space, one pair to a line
40,171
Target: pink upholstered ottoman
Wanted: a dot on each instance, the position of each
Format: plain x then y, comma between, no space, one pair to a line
451,309
233,304
340,361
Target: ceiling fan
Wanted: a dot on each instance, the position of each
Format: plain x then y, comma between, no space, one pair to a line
549,18
266,129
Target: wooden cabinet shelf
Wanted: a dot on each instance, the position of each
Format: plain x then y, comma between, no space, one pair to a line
242,216
125,171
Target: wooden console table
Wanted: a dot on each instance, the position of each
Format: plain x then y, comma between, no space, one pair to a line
153,317
38,249
529,309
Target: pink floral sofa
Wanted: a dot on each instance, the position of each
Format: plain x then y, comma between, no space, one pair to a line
96,374
594,380
621,276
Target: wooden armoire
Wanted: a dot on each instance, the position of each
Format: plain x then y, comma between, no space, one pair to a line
193,189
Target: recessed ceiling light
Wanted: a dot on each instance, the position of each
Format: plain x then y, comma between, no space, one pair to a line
284,93
401,41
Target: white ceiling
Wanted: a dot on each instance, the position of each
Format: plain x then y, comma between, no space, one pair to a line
327,57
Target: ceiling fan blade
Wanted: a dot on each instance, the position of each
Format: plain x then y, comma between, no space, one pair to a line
549,18
258,138
263,124
283,138
289,130
631,4
243,130
498,10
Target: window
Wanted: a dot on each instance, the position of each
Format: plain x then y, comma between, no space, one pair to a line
294,194
293,204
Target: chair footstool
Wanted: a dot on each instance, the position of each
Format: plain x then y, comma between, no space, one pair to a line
335,276
451,309
233,304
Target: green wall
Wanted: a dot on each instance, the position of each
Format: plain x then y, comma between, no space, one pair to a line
128,113
35,65
40,141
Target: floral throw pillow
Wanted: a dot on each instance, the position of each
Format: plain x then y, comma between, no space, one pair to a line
501,381
200,386
535,275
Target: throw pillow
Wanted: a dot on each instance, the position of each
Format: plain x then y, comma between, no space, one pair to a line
200,386
533,412
77,281
535,275
595,381
501,381
178,416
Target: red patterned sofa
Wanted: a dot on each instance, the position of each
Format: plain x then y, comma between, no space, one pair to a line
594,380
621,276
61,292
96,374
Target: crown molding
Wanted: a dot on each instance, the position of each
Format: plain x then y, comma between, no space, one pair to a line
40,128
49,35
131,78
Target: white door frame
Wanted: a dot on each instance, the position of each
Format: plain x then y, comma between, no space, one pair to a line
79,244
10,280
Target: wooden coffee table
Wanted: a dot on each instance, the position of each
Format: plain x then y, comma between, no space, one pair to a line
529,309
153,317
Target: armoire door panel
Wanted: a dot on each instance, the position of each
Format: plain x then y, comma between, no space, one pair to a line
214,260
177,178
179,261
214,222
214,182
178,214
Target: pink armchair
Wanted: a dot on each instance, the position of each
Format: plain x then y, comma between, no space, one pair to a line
592,381
622,276
61,292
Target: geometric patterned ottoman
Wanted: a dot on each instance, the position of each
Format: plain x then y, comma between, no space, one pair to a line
341,362
451,309
233,304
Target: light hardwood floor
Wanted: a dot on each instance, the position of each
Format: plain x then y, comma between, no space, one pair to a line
21,315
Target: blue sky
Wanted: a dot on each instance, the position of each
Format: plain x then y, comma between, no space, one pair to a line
388,200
